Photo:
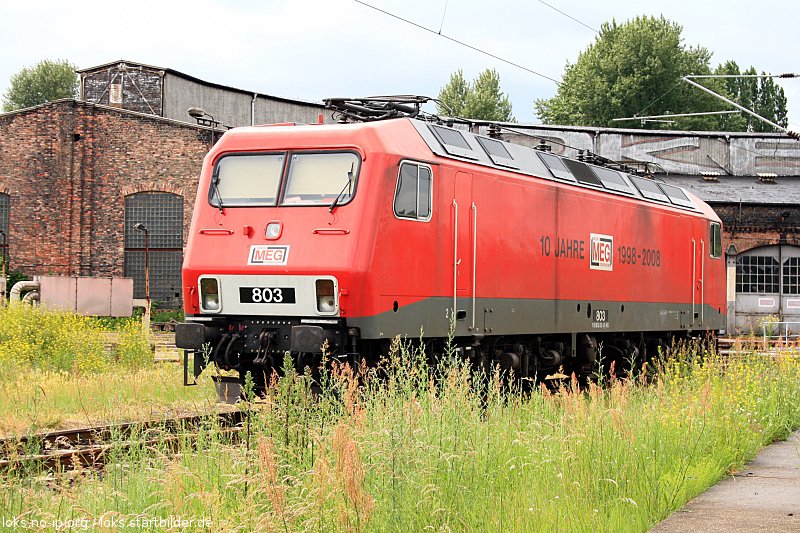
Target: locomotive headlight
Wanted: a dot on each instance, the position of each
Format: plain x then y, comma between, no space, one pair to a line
274,230
209,294
326,299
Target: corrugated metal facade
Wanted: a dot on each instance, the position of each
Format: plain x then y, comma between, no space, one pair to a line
167,93
674,152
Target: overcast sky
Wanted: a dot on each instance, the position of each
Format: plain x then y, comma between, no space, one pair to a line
312,49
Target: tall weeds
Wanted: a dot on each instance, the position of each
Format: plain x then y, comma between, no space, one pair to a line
412,447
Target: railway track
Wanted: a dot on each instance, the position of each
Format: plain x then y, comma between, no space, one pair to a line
92,446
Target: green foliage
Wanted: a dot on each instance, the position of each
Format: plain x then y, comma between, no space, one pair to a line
166,315
482,99
635,68
31,337
761,95
13,277
44,82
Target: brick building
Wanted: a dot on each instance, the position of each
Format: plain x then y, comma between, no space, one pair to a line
74,180
76,177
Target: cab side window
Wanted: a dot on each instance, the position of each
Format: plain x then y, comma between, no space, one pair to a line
715,230
412,197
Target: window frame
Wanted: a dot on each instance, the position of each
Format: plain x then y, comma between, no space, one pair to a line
790,276
287,168
416,218
758,279
214,196
715,237
163,249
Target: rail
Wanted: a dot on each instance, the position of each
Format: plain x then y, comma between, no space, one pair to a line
90,447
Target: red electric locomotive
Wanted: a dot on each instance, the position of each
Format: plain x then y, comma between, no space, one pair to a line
347,235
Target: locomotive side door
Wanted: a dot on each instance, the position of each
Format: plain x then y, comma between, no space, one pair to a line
699,264
464,220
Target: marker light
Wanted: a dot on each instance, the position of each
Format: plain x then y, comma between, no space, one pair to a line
326,301
209,294
274,230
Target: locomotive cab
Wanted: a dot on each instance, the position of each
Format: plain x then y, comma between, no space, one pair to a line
274,230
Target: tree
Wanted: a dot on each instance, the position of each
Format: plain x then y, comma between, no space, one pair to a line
760,95
46,81
635,68
482,99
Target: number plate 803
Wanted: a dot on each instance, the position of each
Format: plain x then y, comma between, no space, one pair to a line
266,295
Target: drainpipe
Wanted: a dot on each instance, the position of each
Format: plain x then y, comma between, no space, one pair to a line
16,291
253,110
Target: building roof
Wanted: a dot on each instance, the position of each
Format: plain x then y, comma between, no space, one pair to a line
782,190
511,127
199,81
117,110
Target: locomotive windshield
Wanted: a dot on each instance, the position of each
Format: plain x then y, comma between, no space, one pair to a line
246,179
319,178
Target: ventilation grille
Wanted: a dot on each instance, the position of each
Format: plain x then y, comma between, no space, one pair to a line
451,137
494,148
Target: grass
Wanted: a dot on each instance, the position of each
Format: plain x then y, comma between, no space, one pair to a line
36,400
432,448
59,369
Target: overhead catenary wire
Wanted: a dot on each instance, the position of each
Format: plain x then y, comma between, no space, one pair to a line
675,115
461,43
444,13
569,16
688,79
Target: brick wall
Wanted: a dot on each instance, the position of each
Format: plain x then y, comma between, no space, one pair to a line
68,166
748,226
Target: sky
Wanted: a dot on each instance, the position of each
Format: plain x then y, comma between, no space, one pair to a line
313,49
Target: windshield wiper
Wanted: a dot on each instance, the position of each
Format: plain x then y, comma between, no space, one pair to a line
215,189
347,186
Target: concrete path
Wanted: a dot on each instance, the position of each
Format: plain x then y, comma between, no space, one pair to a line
764,496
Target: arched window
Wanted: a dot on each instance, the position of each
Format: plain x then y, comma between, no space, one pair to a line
161,214
769,270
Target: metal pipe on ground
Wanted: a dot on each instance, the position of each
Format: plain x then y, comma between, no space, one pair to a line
15,295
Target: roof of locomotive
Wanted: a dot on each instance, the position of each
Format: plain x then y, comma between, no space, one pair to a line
450,143
491,152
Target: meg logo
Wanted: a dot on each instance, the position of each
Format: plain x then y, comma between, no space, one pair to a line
264,254
602,252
